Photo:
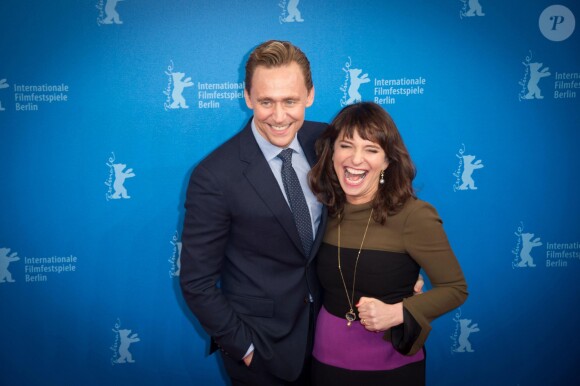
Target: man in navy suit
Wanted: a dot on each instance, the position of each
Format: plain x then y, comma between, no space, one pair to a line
246,273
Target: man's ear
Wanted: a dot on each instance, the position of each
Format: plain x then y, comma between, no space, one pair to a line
310,98
248,99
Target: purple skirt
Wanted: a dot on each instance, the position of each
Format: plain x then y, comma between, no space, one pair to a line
355,348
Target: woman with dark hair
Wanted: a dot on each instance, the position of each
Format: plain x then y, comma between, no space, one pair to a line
371,329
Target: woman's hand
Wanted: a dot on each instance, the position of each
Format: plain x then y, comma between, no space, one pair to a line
378,316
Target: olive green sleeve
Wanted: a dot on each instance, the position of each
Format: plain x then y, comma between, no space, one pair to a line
426,242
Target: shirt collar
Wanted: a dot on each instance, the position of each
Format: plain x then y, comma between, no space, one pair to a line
271,151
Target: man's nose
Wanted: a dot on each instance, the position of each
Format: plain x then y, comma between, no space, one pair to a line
279,113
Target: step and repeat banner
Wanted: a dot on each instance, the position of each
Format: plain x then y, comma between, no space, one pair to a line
107,105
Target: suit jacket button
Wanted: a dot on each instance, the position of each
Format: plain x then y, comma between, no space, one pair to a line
306,299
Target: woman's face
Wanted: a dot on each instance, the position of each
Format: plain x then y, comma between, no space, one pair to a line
358,164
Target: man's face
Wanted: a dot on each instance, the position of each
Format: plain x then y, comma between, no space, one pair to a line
279,98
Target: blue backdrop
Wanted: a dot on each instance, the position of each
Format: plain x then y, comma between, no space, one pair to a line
106,106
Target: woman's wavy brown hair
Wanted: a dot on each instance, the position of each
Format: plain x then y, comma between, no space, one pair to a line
372,123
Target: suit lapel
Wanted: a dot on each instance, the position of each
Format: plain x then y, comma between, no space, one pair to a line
319,233
307,139
259,175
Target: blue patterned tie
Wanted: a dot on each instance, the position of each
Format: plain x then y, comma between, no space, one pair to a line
297,200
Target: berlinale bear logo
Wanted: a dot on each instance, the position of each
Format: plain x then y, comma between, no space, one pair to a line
535,76
5,259
468,167
355,81
466,329
471,8
179,84
120,176
120,347
460,337
352,82
523,249
126,340
290,12
117,176
174,91
3,84
108,14
531,80
527,245
464,173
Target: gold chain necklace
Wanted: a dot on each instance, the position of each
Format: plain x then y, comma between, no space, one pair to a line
350,315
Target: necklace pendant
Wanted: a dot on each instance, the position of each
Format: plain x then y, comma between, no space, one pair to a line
350,317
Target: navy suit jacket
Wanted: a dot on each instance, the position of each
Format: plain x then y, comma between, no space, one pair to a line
243,270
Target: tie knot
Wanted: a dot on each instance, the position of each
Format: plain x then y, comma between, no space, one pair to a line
286,156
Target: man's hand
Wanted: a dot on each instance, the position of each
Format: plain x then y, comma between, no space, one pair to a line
418,288
248,358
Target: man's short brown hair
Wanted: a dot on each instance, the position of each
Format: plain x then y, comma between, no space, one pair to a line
277,53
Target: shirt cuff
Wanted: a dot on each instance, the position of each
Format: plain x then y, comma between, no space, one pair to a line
250,350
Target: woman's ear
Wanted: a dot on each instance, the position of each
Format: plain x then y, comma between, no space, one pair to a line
385,164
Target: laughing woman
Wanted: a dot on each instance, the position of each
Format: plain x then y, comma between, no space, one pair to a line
371,330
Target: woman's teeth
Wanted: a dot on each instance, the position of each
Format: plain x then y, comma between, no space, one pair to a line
354,175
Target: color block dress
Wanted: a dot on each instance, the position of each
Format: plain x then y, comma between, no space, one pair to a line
390,261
